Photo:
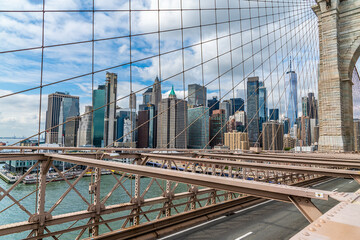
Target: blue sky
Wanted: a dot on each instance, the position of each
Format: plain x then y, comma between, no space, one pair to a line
21,70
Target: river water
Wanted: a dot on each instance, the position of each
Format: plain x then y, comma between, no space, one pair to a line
73,202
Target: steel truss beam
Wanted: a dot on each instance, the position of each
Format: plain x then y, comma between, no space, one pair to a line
274,167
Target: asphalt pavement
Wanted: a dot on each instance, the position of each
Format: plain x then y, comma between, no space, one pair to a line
270,220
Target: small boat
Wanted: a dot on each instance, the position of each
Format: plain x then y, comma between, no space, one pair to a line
2,144
51,177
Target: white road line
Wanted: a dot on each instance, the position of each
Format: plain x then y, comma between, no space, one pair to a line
259,204
351,181
324,182
188,229
334,189
244,236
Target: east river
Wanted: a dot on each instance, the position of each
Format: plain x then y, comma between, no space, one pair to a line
73,202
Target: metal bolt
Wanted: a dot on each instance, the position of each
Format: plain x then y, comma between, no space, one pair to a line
306,233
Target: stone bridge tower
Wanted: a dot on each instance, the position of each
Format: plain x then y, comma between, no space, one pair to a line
339,35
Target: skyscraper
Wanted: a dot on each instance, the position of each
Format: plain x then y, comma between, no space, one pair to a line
292,112
197,95
110,109
252,109
125,117
198,131
217,127
305,106
226,105
143,129
262,105
274,114
98,116
69,107
147,96
85,126
132,101
213,104
172,122
237,104
53,115
71,131
273,136
156,93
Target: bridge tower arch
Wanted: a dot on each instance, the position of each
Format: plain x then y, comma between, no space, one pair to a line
339,35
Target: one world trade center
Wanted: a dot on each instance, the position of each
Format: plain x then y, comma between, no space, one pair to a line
292,112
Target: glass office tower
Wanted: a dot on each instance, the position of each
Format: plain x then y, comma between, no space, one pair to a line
98,116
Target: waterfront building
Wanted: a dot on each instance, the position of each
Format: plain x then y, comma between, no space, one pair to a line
172,122
274,114
273,136
198,130
197,95
213,104
237,140
237,104
226,106
71,130
262,105
121,116
98,116
110,108
292,112
156,93
217,127
253,109
357,135
69,108
85,126
146,127
53,116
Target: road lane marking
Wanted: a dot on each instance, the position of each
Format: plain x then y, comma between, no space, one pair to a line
244,236
259,204
188,229
351,181
324,182
334,189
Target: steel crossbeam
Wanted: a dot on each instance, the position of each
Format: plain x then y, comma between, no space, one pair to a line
274,167
259,189
341,164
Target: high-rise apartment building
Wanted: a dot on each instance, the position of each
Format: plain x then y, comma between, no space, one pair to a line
110,109
197,95
172,122
253,109
98,116
273,136
305,131
218,127
54,117
237,140
85,126
198,131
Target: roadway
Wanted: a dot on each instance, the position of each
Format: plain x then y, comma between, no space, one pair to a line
271,220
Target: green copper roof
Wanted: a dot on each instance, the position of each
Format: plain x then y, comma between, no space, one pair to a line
172,93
